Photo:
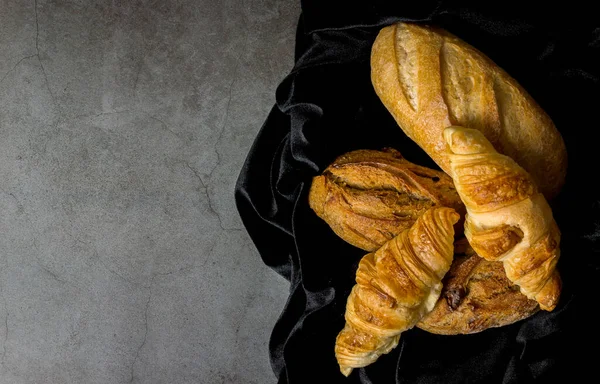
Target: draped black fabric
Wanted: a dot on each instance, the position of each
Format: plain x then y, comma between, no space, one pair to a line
326,106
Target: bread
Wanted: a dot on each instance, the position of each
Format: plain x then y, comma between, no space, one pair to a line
507,218
395,287
429,79
368,197
476,296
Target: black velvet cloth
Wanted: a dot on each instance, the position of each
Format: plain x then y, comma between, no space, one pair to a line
326,106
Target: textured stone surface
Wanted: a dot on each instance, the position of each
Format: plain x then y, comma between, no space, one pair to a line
124,126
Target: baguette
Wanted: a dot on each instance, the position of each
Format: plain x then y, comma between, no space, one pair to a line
429,79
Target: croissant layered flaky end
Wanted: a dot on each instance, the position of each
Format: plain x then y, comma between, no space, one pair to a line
367,197
395,287
508,219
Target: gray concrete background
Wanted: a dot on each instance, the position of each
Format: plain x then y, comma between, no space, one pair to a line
124,125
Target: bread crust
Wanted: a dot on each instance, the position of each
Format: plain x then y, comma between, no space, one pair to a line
476,296
429,79
395,287
507,218
365,197
368,197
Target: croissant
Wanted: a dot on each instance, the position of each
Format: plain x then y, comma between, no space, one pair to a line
368,197
508,219
395,287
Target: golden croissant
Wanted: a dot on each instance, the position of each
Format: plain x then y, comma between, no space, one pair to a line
508,219
395,287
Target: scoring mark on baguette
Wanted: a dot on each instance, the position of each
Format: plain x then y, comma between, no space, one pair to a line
506,120
450,94
459,79
407,66
468,90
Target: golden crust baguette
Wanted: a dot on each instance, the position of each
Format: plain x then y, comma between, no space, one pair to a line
429,79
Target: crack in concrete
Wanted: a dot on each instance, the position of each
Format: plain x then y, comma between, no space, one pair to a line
208,255
218,162
137,354
96,256
17,201
37,49
163,125
35,241
6,314
211,207
195,172
101,261
15,66
146,328
36,245
49,135
37,27
48,270
225,120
